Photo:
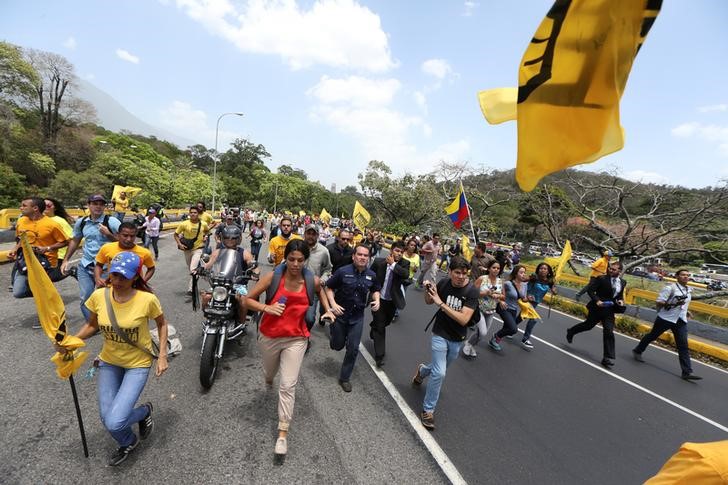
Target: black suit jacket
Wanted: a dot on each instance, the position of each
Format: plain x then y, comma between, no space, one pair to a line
600,288
399,275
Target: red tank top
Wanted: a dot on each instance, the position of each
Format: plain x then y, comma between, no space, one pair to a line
292,322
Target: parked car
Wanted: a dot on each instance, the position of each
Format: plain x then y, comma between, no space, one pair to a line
644,274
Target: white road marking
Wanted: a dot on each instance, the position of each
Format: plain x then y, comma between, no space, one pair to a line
445,464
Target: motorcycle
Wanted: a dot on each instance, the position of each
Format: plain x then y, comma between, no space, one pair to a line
220,322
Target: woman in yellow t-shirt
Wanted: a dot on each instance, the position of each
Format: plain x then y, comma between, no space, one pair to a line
123,367
55,210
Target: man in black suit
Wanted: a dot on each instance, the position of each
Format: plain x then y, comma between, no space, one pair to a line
391,272
607,298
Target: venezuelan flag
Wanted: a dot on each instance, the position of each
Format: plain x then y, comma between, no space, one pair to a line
458,209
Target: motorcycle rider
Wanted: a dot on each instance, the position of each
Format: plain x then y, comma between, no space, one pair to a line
231,238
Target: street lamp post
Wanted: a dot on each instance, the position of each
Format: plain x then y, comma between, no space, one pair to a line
214,162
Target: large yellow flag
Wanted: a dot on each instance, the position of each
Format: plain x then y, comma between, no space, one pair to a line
52,315
563,260
527,311
571,79
465,246
361,216
325,216
130,191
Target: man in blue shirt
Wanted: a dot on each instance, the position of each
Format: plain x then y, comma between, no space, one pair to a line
96,230
348,290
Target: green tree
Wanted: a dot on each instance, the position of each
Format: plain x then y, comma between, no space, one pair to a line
289,171
17,76
73,188
13,187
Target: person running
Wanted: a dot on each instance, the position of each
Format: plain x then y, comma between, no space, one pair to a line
411,255
257,236
515,290
205,216
126,242
481,261
539,284
348,290
277,245
457,300
125,360
340,250
190,237
55,210
491,295
95,230
430,252
283,333
318,263
151,230
672,314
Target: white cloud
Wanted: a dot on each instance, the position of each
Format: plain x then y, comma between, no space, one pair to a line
449,152
711,133
713,107
70,43
420,100
127,56
438,68
340,33
469,7
355,90
646,177
188,122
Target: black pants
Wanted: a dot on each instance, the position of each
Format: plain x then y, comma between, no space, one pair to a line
380,320
680,331
510,322
596,315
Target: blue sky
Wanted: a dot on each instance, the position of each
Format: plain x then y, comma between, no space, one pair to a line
328,85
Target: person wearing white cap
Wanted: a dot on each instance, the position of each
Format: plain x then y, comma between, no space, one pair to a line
151,230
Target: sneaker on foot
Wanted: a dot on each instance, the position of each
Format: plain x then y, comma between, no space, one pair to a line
428,420
281,446
494,344
637,356
509,337
469,350
569,337
527,344
417,379
122,453
345,385
691,377
146,425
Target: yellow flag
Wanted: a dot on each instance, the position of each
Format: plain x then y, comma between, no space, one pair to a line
130,191
465,246
527,311
325,216
361,216
301,213
571,79
563,260
498,105
52,314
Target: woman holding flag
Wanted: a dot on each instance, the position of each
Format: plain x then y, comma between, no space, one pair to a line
539,284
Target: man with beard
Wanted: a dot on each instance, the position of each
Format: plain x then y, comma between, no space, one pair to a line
126,242
277,245
340,251
318,262
390,273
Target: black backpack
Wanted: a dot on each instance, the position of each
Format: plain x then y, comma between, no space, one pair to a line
308,281
105,222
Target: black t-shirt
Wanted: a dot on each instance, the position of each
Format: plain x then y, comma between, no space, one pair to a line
455,298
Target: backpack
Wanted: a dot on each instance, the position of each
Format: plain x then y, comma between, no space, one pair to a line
174,344
308,281
105,222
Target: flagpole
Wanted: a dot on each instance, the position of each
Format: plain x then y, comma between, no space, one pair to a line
78,415
470,218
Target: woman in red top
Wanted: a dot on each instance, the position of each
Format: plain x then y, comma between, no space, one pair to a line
283,334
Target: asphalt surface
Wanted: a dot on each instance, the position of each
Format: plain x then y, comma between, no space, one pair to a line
551,415
225,435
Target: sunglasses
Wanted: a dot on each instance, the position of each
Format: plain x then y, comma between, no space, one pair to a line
346,239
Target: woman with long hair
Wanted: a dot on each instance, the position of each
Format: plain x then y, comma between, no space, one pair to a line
509,310
540,283
257,236
283,333
126,357
491,296
55,210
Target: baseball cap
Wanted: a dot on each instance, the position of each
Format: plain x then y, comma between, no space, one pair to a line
127,264
152,211
96,198
312,227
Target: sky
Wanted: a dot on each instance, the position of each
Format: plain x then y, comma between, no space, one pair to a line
328,85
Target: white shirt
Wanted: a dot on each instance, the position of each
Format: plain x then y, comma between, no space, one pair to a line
616,286
669,294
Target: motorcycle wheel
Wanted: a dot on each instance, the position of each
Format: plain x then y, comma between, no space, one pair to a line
208,361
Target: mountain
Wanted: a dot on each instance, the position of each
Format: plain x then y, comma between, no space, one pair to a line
114,117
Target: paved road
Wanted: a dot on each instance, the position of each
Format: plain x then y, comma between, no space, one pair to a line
552,415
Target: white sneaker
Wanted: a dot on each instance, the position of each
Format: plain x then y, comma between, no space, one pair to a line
527,344
469,350
509,337
281,446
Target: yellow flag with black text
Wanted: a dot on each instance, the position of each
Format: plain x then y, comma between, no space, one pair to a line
570,82
361,216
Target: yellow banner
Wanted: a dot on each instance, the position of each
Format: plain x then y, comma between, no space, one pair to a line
527,311
361,216
465,246
325,216
563,260
130,191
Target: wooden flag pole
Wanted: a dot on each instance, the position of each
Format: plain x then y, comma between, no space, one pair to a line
470,216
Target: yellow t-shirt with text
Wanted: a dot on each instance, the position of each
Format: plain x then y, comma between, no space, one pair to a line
188,230
133,319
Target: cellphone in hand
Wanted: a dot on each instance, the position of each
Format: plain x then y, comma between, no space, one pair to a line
282,300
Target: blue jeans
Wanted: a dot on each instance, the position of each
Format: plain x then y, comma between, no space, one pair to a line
118,392
346,332
86,286
21,287
529,327
444,353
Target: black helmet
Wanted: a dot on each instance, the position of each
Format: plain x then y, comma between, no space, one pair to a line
232,232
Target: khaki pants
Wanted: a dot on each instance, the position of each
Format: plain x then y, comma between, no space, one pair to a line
192,258
285,354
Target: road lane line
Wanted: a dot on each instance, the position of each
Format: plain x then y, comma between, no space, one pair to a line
445,464
637,340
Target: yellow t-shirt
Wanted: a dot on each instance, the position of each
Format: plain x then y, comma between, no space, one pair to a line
356,239
67,230
121,205
188,230
277,246
414,261
599,267
206,218
109,250
42,232
132,317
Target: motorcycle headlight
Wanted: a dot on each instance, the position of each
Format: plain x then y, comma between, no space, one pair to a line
219,293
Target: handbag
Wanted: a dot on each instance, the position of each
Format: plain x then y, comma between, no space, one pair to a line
115,325
190,243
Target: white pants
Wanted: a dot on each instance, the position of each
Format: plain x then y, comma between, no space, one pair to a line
192,258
